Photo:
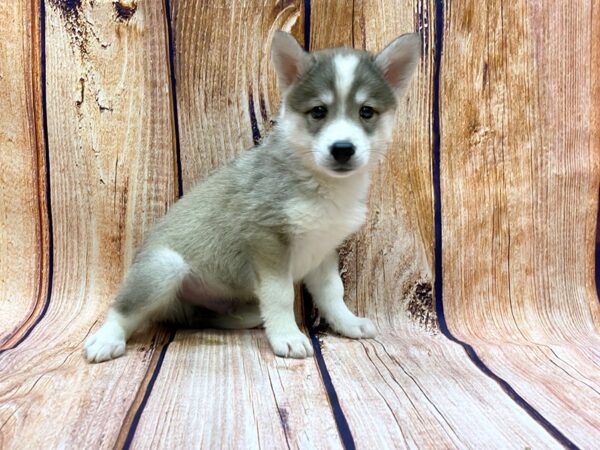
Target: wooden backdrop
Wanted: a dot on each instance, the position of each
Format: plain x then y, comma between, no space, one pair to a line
477,260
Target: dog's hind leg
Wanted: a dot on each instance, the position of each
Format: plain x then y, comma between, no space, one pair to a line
148,293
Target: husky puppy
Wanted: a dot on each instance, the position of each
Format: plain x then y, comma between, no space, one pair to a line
228,253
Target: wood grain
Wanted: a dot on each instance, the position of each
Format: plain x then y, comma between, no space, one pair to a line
24,221
388,277
421,392
225,83
519,159
231,390
518,364
391,257
382,296
227,386
562,383
519,172
111,158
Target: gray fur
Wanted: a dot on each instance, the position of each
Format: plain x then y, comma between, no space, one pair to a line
227,225
271,217
234,220
320,76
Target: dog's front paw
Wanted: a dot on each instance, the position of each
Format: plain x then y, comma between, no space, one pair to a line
105,344
291,345
355,327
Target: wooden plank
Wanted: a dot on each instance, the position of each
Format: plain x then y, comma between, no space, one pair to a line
559,382
391,256
421,392
520,156
226,88
237,394
410,381
112,159
24,237
231,390
386,267
519,171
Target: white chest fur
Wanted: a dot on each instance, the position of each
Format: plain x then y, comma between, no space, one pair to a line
322,224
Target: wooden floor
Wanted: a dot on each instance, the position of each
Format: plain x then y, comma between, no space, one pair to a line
477,262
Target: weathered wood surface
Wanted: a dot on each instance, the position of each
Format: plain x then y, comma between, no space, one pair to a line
111,153
24,220
420,392
228,390
519,158
515,360
389,257
236,393
226,87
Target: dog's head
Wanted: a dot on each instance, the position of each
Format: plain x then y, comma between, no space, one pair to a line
338,104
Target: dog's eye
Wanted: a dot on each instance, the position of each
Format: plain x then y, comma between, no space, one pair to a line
318,112
366,112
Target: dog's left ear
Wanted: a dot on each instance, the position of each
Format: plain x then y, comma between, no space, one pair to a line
399,60
289,58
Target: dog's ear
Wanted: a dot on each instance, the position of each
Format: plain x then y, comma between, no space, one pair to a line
399,60
289,58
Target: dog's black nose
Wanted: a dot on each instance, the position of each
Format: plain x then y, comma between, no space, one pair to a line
342,151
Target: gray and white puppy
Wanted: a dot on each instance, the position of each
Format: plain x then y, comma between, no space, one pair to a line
229,252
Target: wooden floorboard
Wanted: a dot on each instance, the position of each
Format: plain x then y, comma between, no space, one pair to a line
233,392
519,201
422,391
554,386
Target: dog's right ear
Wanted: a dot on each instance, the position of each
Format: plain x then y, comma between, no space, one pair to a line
289,58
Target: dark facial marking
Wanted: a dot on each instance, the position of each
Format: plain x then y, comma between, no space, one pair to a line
380,96
320,77
306,94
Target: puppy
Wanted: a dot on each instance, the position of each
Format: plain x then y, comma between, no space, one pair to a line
228,253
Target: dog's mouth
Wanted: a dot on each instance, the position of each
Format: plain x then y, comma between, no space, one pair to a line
341,170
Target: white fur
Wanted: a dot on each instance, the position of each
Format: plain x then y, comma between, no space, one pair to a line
342,130
276,299
322,225
325,285
345,67
382,137
293,126
327,97
361,96
109,341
